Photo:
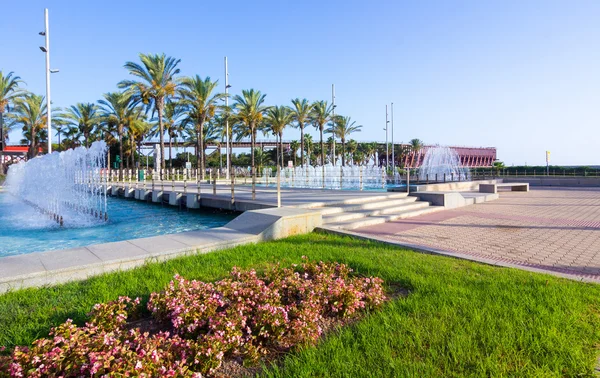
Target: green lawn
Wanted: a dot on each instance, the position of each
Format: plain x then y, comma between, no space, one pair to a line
461,318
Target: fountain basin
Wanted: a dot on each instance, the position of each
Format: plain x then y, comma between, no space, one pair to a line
24,230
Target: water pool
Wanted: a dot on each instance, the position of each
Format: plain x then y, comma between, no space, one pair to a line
24,230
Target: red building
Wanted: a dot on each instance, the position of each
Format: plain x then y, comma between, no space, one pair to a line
469,156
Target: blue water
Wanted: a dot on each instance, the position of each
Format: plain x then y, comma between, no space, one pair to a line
24,230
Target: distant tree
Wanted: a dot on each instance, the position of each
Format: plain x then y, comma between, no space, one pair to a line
278,117
83,117
294,146
117,111
319,116
342,127
416,145
249,116
308,144
157,85
301,114
30,113
174,124
202,102
9,92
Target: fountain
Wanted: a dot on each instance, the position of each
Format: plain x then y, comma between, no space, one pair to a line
350,177
442,164
67,186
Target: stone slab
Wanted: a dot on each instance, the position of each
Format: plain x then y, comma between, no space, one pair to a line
116,250
157,244
68,258
20,265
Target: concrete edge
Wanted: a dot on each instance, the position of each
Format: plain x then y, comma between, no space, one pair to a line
266,224
50,278
457,255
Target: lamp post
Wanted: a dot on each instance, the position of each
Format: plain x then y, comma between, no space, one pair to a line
228,137
333,105
387,146
46,50
393,156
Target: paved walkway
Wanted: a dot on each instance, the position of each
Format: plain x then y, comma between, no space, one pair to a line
551,229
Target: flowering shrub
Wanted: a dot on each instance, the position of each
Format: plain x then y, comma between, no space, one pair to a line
104,347
242,316
247,315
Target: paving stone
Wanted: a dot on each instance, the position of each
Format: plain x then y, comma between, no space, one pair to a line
555,228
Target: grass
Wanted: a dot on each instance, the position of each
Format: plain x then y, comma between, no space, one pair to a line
461,318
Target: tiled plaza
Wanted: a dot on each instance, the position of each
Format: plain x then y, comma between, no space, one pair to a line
556,229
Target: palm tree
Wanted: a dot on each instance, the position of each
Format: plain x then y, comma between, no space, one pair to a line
416,145
156,86
352,147
9,92
308,144
84,117
294,146
197,94
342,128
118,109
61,129
319,116
301,115
278,117
30,113
250,112
137,131
174,112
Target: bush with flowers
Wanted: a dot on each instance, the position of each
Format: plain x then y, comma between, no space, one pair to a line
244,316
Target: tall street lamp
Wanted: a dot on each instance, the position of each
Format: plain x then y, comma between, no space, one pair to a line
387,146
228,137
393,156
333,105
46,50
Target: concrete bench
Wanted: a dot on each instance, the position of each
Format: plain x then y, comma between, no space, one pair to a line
514,186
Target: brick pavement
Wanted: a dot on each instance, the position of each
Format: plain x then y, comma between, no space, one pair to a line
555,229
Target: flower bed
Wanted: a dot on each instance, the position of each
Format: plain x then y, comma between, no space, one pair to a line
245,316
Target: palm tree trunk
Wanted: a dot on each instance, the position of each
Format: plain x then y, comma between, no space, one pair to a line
201,144
33,152
322,146
252,143
132,153
281,144
120,132
170,150
301,145
198,150
343,152
161,130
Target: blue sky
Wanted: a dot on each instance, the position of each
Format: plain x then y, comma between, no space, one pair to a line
522,76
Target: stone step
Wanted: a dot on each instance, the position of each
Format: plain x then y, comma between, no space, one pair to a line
374,220
362,213
327,210
356,200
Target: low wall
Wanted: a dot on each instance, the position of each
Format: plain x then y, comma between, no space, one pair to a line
452,200
556,181
455,186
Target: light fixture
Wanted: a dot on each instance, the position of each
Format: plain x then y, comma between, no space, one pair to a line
43,49
54,71
42,33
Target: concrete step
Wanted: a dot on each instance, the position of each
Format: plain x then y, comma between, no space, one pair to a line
362,213
327,210
374,220
356,200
